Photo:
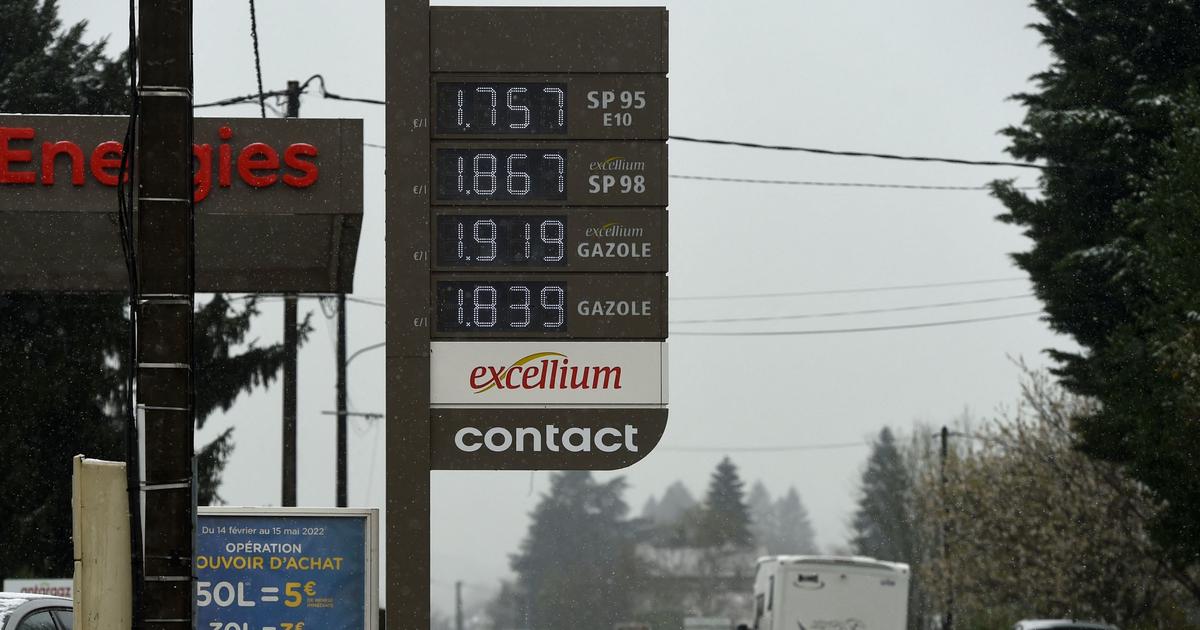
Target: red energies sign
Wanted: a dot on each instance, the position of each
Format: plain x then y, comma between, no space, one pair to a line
24,160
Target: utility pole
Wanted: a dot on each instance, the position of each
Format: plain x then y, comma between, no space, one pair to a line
342,473
289,357
165,306
458,614
948,618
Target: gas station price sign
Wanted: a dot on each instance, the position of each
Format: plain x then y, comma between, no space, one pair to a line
611,106
574,173
579,306
573,239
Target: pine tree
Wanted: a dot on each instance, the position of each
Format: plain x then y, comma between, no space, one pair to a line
793,531
64,356
883,524
577,562
763,517
725,520
1103,119
676,502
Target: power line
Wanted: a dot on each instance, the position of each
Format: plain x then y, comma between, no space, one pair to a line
762,449
839,331
899,287
797,182
815,183
262,99
882,156
733,143
236,100
871,311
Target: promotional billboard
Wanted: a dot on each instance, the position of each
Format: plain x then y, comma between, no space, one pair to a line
287,568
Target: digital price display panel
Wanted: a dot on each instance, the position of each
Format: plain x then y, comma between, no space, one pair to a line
579,239
501,108
599,107
521,174
579,306
562,174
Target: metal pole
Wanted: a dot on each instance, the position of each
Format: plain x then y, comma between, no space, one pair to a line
458,614
342,473
166,300
289,359
948,618
289,401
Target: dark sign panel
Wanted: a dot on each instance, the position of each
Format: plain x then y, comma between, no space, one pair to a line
579,306
573,239
543,439
551,173
600,107
278,203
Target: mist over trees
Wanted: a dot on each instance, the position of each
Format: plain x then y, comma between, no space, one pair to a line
63,389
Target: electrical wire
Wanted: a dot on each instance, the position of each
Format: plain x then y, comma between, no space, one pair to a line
897,287
739,143
882,156
129,250
262,99
242,99
871,311
797,182
841,331
761,449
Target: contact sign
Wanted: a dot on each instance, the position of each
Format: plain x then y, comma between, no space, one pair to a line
286,569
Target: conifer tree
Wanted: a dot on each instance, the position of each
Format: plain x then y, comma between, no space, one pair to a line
883,524
794,532
577,563
64,356
1103,118
725,520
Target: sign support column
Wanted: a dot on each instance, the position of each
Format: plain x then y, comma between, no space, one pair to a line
407,237
166,292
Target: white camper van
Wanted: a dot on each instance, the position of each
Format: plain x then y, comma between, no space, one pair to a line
830,593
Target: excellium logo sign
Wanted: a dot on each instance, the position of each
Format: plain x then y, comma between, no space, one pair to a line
25,158
544,371
618,164
614,229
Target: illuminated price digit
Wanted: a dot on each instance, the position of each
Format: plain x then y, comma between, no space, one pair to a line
492,93
512,92
489,174
485,306
562,112
488,240
522,307
514,174
552,233
553,299
562,163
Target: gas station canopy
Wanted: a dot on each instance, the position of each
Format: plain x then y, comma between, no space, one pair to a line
278,204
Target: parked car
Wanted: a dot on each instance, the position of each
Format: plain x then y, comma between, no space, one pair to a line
1060,624
27,611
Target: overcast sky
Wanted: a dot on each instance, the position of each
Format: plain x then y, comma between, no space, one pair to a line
926,77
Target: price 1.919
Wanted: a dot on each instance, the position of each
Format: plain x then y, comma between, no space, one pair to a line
499,241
